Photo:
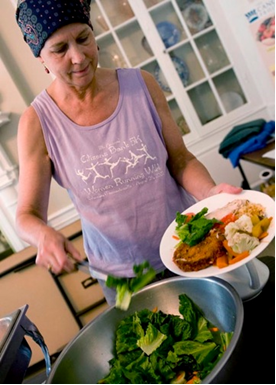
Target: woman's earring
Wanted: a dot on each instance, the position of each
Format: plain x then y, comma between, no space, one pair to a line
46,69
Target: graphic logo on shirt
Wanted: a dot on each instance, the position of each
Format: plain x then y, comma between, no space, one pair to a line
118,166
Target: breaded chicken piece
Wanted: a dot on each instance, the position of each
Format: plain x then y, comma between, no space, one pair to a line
200,256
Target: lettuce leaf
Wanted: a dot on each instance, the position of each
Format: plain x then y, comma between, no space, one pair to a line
128,332
204,333
192,231
151,340
199,351
125,287
123,296
190,313
154,347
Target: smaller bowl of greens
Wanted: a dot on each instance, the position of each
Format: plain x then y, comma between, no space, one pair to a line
174,331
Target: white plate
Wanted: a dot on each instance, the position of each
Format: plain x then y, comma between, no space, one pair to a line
181,68
169,33
196,16
168,243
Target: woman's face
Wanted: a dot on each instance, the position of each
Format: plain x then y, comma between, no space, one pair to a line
71,54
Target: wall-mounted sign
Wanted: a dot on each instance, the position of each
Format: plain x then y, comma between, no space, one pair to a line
260,15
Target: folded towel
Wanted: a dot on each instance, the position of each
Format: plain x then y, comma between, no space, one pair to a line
253,144
240,134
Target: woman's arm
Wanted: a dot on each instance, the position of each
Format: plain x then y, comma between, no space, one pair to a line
183,165
34,189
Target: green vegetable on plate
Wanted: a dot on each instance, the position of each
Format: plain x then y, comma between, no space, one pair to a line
193,229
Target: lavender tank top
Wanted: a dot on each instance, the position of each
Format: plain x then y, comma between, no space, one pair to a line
116,175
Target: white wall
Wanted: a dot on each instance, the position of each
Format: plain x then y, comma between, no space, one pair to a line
22,77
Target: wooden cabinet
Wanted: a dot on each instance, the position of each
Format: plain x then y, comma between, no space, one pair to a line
58,305
47,309
81,291
186,45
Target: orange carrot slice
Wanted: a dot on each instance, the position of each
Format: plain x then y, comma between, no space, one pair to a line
239,257
222,261
193,380
227,219
175,237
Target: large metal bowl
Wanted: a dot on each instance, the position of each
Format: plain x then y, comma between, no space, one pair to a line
85,358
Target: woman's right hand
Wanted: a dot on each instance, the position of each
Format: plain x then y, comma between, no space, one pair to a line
56,252
53,249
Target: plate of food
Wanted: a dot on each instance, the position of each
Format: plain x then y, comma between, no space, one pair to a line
219,234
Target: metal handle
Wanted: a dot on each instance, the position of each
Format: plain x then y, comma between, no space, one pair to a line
32,331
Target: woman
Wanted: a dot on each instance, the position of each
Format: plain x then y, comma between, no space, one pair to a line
108,137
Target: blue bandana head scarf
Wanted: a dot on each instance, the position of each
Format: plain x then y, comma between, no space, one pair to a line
39,19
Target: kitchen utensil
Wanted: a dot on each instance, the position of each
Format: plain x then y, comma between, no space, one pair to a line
85,359
15,352
84,266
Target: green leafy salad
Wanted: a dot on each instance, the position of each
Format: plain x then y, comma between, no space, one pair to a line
152,347
191,229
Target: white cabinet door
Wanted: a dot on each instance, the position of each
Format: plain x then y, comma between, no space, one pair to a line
187,46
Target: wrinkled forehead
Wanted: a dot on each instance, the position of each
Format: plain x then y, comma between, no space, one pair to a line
39,19
66,33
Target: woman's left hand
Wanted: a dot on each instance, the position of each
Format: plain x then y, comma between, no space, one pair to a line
226,188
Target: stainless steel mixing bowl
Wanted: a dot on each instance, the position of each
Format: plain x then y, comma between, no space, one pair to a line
85,358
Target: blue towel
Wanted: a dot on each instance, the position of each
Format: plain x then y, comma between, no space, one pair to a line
239,134
256,143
